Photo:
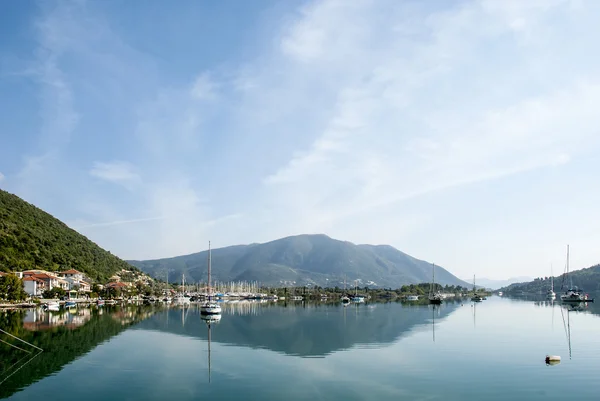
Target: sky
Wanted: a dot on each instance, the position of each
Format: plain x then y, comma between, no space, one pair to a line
464,133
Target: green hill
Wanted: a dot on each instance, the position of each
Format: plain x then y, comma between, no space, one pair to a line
31,238
587,279
303,260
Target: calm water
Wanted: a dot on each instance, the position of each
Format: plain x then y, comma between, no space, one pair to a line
492,351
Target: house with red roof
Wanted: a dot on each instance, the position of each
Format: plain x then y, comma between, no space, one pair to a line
34,286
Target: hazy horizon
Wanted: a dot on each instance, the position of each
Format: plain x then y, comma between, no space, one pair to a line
462,133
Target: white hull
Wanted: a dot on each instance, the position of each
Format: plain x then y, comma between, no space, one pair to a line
181,300
210,309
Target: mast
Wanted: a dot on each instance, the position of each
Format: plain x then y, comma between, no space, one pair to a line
432,286
551,278
570,278
209,261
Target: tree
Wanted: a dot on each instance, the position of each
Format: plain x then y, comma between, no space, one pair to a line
12,288
55,292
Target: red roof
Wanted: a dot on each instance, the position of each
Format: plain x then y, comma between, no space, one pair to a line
30,278
114,285
42,276
71,271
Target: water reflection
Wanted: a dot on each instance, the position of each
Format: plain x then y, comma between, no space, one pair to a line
64,336
306,330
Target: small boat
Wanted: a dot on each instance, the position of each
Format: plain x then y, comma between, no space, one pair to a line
100,302
357,298
573,294
435,297
550,294
210,307
476,297
182,298
500,293
345,298
412,298
70,304
52,306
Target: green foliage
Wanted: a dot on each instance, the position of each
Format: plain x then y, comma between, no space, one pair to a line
12,288
55,292
586,279
32,239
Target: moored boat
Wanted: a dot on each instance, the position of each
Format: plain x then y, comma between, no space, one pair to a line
210,307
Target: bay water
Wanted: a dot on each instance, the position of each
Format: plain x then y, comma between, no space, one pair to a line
493,350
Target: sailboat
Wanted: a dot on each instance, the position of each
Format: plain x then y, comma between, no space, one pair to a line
573,294
345,298
476,297
210,307
551,294
435,297
181,298
357,298
210,319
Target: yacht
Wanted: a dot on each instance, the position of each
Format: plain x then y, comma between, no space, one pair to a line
550,294
573,294
181,298
210,307
435,297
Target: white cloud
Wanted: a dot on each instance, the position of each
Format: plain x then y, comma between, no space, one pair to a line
204,88
118,172
359,112
1,177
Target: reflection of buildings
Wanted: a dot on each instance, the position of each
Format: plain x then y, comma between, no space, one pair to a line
37,319
38,281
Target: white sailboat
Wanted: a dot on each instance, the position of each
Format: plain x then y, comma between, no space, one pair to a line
572,294
435,297
357,298
210,307
181,298
551,294
476,297
345,298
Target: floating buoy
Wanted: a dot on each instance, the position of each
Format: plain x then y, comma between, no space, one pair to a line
552,359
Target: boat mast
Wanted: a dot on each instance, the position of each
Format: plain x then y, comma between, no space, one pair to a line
209,288
431,287
570,278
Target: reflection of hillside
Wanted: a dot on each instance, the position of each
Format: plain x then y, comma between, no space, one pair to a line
587,307
302,330
64,336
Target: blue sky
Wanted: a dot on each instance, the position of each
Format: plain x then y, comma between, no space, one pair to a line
463,133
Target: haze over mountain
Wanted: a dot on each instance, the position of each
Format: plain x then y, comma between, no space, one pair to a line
586,279
495,284
302,260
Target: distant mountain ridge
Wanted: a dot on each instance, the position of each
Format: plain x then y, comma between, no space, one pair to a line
302,260
587,279
495,284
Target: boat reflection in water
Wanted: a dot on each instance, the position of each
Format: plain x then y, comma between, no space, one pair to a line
210,319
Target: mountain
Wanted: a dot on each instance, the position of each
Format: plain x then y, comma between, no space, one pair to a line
31,238
302,260
495,284
587,279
